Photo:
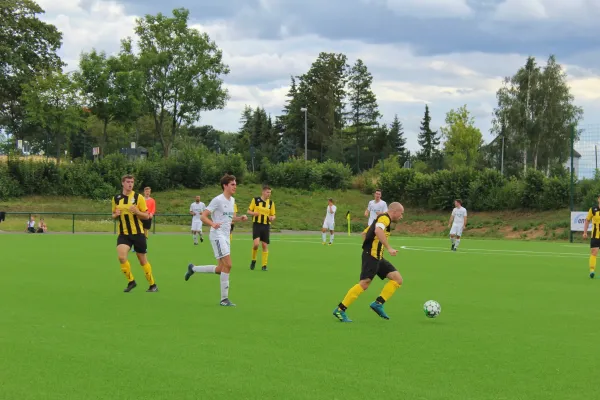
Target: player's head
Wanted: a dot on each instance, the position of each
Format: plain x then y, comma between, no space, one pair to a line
147,191
266,192
228,184
377,195
127,182
458,203
330,201
197,199
395,211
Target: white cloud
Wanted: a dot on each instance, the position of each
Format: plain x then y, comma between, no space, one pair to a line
100,25
427,8
551,10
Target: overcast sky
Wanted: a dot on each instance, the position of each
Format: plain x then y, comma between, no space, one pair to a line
445,53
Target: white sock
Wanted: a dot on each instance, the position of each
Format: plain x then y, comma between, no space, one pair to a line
453,240
457,243
195,237
204,269
331,238
224,286
324,236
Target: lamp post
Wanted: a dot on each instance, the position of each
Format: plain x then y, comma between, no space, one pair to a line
304,110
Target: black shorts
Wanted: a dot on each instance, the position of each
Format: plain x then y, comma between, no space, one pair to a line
231,230
594,243
138,242
147,224
261,231
372,267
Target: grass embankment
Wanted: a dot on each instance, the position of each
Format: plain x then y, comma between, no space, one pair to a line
296,210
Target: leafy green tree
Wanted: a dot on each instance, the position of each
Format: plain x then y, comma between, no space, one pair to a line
462,139
534,115
52,100
182,70
28,46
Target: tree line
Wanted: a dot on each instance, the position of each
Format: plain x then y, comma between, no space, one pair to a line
155,88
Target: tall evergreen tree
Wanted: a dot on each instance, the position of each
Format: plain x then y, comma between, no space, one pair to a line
396,140
363,114
427,139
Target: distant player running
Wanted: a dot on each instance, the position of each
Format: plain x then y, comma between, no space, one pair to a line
196,209
329,223
593,216
373,264
374,208
457,223
130,209
221,211
263,213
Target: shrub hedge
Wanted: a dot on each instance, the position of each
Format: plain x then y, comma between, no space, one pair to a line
480,190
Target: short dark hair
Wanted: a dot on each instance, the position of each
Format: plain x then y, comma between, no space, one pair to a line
226,180
148,187
459,201
266,187
127,176
378,190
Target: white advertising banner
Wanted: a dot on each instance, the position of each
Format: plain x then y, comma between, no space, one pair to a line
577,221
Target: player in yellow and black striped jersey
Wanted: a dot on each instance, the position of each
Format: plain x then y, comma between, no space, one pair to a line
130,209
373,264
263,213
593,216
235,210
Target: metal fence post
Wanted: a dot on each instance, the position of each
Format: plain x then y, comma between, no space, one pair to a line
571,192
73,222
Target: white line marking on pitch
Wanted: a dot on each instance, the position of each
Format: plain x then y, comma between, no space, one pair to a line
521,253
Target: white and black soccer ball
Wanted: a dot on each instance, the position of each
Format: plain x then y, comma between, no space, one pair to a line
432,308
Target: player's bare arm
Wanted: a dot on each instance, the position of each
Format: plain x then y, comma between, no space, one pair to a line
140,214
452,219
586,223
465,224
240,218
116,214
384,241
367,212
207,221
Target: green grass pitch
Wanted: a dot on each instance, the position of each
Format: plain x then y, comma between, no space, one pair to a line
519,320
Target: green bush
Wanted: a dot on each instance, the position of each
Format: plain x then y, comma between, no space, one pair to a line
309,175
9,187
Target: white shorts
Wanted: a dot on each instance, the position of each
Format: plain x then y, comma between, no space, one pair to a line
221,246
197,226
329,225
456,230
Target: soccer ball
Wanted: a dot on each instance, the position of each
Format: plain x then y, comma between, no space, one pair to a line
432,308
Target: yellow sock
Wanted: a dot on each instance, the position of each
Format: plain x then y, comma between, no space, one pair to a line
254,251
265,258
352,295
592,263
230,237
126,268
387,291
148,272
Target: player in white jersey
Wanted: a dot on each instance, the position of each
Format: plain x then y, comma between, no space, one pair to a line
458,222
374,208
196,209
222,212
329,223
